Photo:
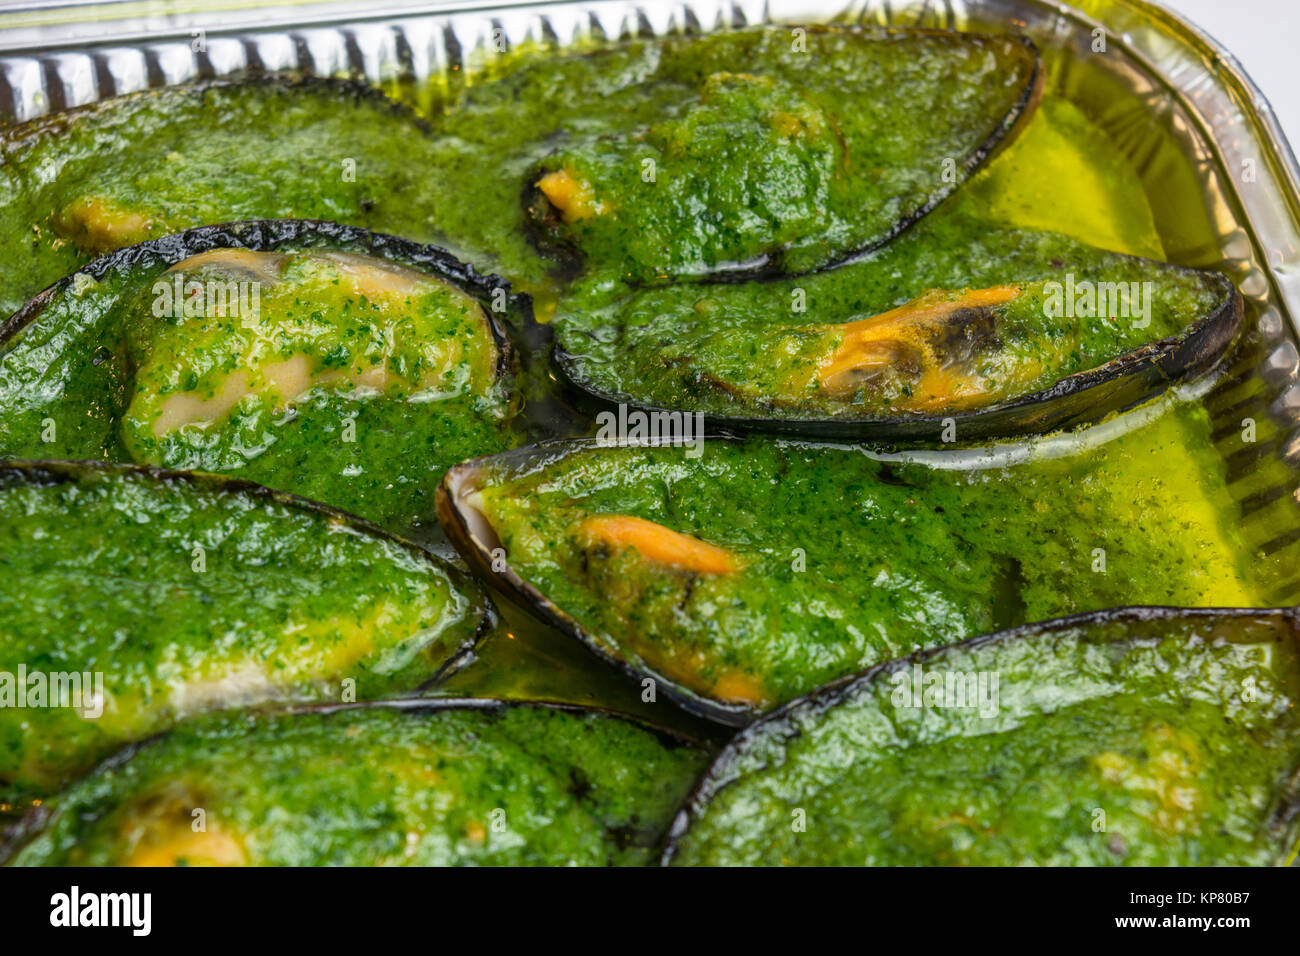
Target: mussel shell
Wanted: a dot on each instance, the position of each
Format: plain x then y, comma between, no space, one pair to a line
20,831
779,722
53,472
475,540
508,328
269,235
1079,399
48,472
41,139
769,266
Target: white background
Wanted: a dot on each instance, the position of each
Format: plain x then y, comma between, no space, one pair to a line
1264,35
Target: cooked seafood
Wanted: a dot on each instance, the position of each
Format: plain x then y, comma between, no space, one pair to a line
1138,737
136,598
81,183
957,324
335,363
416,784
752,572
775,150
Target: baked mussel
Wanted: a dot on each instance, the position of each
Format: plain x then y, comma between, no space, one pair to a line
134,598
1136,736
957,330
343,365
730,576
772,150
77,184
411,783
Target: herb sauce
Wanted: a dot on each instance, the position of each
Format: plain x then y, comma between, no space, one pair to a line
190,594
1130,739
508,786
148,164
344,377
834,559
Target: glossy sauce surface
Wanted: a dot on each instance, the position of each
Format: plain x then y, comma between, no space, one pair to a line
519,786
1129,742
169,597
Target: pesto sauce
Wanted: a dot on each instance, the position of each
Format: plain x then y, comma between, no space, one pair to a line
654,92
846,559
156,162
781,149
520,785
188,595
1177,472
342,377
755,349
1141,742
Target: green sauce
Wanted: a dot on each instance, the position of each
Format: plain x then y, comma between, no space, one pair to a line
154,163
185,595
875,338
777,149
513,786
895,555
723,115
1134,741
840,559
337,375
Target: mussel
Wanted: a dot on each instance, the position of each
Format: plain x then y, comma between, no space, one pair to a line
90,180
730,576
134,598
958,330
774,150
1139,736
336,363
411,783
